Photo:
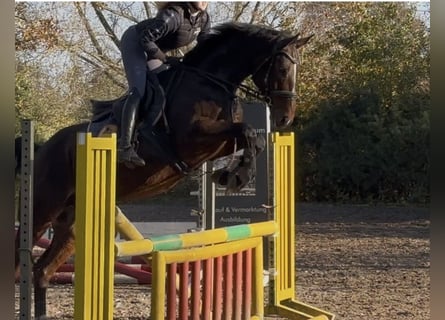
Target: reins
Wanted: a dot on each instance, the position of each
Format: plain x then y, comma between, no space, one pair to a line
266,96
224,84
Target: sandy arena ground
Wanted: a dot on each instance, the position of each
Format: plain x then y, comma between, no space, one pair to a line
358,262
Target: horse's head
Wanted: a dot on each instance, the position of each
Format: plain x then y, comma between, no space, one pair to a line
276,79
233,51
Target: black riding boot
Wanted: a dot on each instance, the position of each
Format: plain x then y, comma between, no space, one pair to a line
125,151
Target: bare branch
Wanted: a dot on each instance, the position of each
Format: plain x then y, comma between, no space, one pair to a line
240,10
87,25
104,62
255,12
119,13
105,24
102,69
147,9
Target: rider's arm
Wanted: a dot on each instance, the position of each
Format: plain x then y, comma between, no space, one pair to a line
205,29
151,30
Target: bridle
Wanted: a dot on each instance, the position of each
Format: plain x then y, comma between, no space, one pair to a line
280,93
266,94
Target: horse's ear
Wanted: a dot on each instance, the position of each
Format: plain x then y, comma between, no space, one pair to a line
285,42
299,42
293,40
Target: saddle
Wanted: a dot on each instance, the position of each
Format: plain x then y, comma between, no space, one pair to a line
153,128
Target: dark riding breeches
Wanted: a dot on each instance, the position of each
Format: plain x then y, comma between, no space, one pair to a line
134,60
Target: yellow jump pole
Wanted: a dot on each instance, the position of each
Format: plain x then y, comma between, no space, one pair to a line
193,239
94,227
129,232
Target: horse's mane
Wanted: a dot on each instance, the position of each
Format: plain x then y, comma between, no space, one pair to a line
233,34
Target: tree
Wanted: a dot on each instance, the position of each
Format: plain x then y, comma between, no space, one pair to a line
364,125
34,33
363,46
363,90
71,50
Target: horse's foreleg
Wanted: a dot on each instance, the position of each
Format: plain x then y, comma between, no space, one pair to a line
60,249
246,138
245,171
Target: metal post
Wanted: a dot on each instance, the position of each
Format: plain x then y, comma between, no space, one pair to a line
26,217
208,196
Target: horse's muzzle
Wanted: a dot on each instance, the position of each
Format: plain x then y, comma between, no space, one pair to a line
282,123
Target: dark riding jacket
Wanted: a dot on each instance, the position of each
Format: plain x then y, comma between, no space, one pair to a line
172,28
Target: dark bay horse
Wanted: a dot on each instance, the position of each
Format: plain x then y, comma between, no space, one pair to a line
199,110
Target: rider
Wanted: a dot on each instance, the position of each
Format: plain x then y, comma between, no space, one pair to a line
176,24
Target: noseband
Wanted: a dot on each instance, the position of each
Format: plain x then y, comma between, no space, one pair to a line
280,93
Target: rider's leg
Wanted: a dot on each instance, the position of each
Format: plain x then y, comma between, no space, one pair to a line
135,66
154,110
126,152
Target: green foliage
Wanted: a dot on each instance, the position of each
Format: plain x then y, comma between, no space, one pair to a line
363,117
364,126
53,87
382,46
38,99
357,151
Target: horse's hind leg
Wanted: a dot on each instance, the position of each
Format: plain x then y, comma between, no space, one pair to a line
60,249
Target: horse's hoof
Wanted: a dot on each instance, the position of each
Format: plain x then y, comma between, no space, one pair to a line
235,184
220,177
43,317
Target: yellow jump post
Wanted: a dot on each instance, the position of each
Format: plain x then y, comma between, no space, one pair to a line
94,227
282,300
230,252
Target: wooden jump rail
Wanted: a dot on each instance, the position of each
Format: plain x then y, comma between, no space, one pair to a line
210,274
225,280
222,267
